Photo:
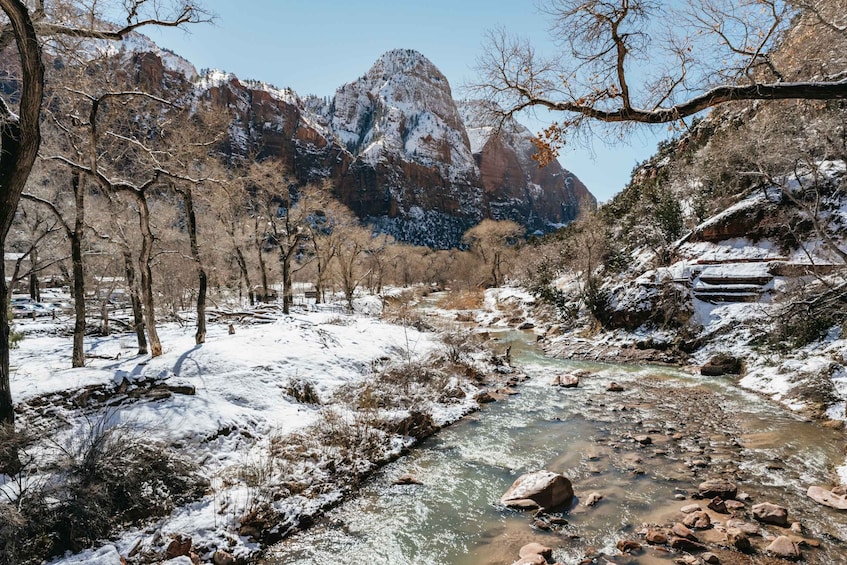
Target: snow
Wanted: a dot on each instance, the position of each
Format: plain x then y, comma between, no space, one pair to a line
107,555
240,384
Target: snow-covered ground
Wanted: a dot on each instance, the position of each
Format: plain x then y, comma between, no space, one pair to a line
228,402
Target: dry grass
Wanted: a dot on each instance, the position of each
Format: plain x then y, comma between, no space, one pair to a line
463,300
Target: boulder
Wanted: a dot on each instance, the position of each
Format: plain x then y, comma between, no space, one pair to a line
565,381
656,538
721,364
541,489
827,498
711,558
484,397
689,508
718,505
685,544
718,487
783,547
698,521
643,440
614,387
733,505
771,514
682,531
739,540
534,548
747,528
628,546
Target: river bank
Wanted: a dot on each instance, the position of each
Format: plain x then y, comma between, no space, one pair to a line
636,458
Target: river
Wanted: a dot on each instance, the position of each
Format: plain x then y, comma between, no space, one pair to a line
699,428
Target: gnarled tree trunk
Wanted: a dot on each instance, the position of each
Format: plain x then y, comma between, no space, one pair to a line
19,141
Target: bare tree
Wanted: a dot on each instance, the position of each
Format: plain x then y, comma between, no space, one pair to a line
20,134
622,63
491,241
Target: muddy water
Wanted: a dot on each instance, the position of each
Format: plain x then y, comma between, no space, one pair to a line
700,428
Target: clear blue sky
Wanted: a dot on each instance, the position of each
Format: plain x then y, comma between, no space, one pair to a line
315,46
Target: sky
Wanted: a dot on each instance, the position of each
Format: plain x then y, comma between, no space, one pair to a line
315,46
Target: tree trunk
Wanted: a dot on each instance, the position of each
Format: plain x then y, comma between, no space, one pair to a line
319,285
76,235
245,274
137,316
19,142
191,225
34,287
104,317
7,412
262,267
147,275
287,293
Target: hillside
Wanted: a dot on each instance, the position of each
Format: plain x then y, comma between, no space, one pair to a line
731,240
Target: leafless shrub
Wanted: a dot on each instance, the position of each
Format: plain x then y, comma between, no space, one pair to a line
302,391
105,475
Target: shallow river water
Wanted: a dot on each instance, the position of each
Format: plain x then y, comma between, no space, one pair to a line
700,428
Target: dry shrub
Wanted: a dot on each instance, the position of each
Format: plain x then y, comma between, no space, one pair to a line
302,391
106,476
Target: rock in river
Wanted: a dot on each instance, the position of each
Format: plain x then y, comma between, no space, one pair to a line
540,489
827,498
721,364
565,381
771,514
784,547
718,487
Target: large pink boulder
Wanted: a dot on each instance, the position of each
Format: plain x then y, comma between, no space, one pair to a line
540,489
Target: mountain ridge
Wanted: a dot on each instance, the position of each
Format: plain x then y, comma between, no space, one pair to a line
395,145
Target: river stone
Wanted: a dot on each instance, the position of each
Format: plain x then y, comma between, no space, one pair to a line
771,514
747,528
566,381
614,387
593,499
541,489
628,546
718,505
221,557
784,547
827,498
682,531
643,440
698,521
738,539
711,558
718,487
407,480
685,544
689,508
721,364
733,504
656,538
535,548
